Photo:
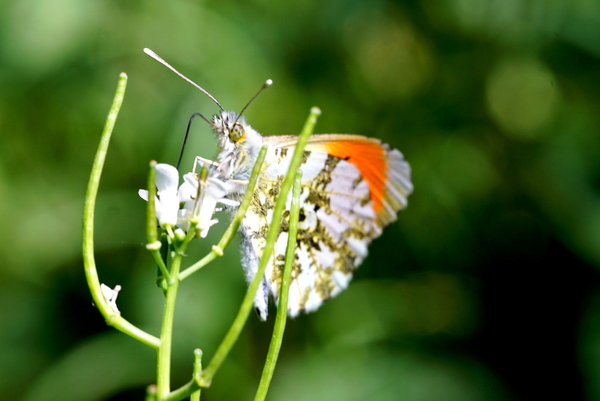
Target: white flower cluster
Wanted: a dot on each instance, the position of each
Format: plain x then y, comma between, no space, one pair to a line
198,206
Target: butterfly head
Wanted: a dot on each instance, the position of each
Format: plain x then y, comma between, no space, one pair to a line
239,144
233,131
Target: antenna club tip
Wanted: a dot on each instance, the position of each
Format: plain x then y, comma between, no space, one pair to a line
152,54
269,82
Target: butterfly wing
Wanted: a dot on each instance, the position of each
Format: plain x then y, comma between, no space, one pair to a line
352,187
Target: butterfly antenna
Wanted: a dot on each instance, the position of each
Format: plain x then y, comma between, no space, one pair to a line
163,62
267,83
187,131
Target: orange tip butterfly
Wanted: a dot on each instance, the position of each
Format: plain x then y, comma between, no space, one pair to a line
352,188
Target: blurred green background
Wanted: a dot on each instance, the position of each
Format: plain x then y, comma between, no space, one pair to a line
487,287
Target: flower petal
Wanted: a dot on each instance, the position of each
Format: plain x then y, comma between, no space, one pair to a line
110,295
143,194
214,190
169,206
189,189
167,177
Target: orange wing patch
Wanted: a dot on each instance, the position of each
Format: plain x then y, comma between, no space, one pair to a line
369,158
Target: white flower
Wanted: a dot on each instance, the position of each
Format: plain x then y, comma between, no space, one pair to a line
201,210
167,200
110,296
198,210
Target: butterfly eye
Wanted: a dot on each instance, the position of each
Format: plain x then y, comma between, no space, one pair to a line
237,133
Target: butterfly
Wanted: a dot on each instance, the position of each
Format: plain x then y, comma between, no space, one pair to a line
352,188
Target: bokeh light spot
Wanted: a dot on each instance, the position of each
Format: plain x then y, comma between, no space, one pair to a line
54,29
522,97
394,58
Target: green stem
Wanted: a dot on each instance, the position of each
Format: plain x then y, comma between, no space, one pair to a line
197,371
154,244
191,388
235,223
187,390
112,317
163,376
239,321
282,308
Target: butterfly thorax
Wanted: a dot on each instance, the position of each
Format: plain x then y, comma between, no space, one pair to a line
239,145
